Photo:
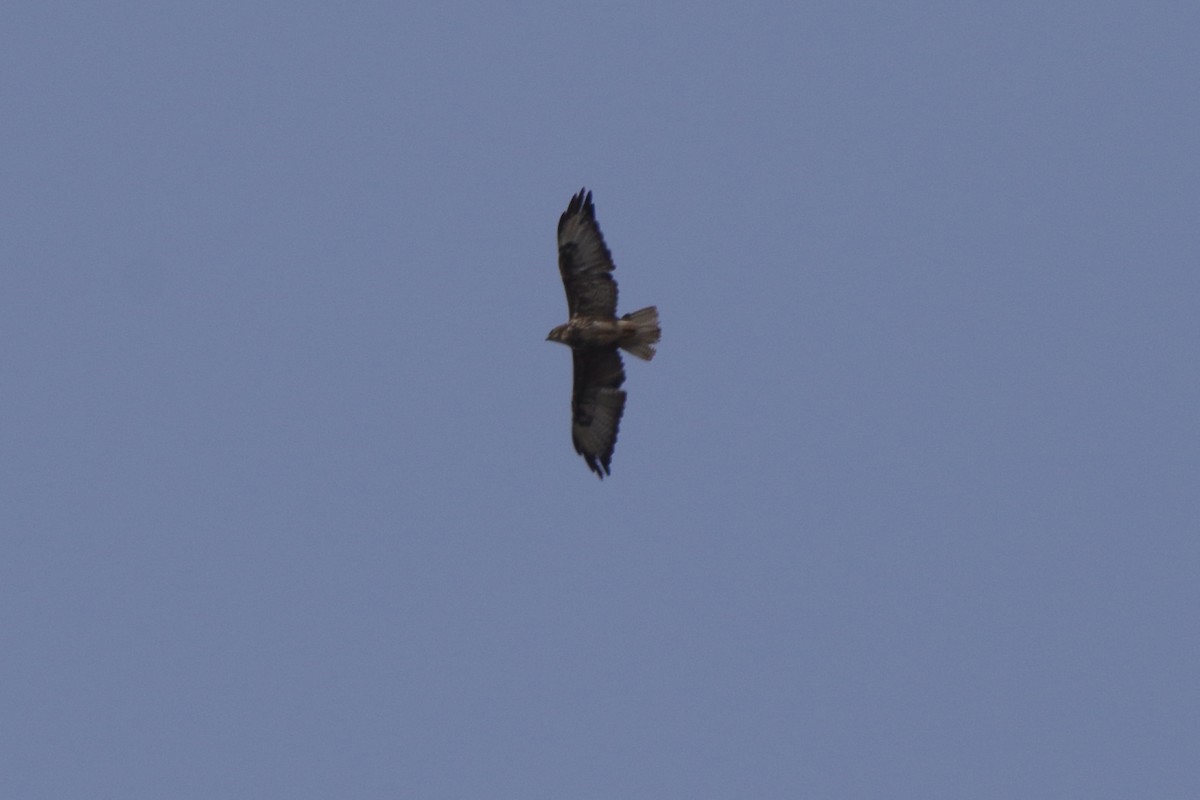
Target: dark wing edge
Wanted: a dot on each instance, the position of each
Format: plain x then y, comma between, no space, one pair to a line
597,404
584,261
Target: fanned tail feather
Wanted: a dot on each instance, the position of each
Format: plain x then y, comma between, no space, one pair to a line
641,341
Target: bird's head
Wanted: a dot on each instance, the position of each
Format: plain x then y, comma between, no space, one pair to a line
559,334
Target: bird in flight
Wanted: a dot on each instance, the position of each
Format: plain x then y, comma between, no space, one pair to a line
595,334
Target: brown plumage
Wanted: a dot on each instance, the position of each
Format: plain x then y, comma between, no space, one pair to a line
595,334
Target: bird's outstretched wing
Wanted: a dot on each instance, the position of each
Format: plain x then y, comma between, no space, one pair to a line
596,405
584,261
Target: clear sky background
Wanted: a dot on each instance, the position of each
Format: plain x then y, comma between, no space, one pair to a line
906,507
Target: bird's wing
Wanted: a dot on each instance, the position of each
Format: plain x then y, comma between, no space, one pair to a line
584,261
596,405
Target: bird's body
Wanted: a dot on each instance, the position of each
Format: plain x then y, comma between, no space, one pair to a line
595,334
599,332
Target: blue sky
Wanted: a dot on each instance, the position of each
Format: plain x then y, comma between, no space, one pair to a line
905,507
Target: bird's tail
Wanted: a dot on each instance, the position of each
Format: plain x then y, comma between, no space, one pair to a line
640,338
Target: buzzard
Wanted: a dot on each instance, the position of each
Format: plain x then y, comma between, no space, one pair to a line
595,334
